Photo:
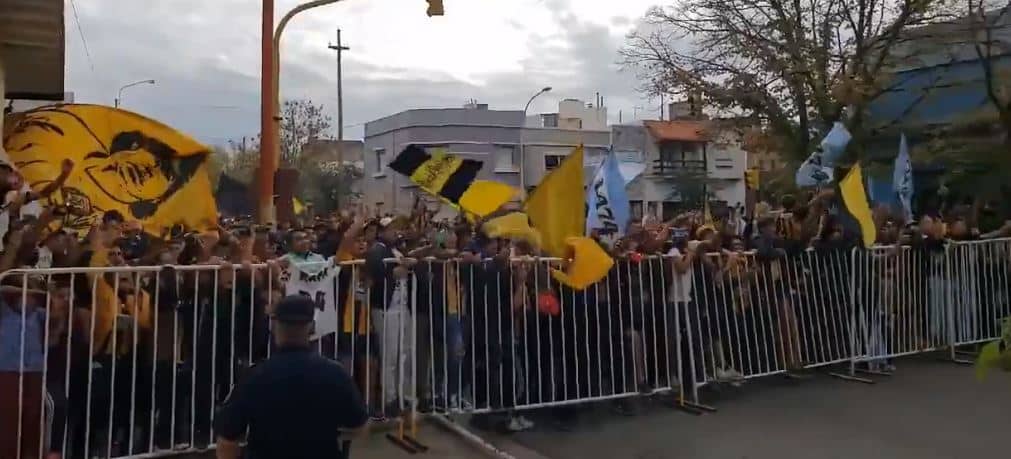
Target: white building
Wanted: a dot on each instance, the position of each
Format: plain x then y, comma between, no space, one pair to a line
683,159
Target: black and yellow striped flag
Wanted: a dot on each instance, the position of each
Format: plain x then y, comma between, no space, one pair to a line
453,179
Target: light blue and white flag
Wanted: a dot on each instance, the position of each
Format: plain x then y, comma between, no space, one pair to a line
607,207
902,178
817,168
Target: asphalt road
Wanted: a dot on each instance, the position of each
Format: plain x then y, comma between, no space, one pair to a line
928,409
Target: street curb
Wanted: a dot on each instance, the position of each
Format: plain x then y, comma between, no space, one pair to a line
500,448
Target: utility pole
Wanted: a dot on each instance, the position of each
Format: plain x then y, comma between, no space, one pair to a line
340,48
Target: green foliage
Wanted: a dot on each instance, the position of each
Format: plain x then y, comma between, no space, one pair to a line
795,67
326,185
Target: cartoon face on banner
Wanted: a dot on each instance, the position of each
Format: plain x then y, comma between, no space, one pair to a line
123,161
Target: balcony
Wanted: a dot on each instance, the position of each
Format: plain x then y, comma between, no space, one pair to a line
672,167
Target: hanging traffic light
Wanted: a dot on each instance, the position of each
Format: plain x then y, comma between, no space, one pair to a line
751,179
435,8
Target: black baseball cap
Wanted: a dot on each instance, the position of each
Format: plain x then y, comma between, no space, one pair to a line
295,309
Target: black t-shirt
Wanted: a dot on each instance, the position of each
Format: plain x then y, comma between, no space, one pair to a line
294,405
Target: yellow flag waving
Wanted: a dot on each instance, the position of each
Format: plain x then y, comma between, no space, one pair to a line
513,225
557,212
297,206
556,207
589,264
854,197
123,161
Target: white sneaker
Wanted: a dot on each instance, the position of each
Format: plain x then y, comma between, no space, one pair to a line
462,403
515,425
526,423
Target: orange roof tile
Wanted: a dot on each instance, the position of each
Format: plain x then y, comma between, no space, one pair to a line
684,131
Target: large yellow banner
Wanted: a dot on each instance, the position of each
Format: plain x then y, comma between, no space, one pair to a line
123,161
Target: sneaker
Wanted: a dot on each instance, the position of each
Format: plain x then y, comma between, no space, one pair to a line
515,425
526,423
460,403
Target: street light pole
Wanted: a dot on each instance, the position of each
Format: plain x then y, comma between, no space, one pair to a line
270,122
268,143
523,156
270,116
119,95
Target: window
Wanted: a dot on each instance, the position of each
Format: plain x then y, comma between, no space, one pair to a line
550,119
380,166
636,208
552,161
724,163
669,210
506,160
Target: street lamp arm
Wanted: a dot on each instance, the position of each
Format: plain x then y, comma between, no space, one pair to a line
277,50
290,14
135,83
527,106
523,153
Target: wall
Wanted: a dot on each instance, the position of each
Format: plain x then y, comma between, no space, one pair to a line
541,142
479,134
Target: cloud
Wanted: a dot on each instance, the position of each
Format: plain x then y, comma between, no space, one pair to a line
205,57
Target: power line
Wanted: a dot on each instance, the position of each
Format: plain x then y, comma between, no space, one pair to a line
80,31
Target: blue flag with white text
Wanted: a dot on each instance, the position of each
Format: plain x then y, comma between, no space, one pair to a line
902,178
817,168
607,204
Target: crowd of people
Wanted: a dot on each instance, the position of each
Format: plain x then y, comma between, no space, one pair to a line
118,359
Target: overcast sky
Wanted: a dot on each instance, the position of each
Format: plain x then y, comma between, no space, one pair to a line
205,56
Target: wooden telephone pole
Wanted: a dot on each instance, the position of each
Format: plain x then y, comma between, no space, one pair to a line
340,48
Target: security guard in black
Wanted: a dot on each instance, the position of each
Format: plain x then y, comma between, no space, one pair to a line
296,403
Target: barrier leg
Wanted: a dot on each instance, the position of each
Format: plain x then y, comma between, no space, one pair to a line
400,440
961,357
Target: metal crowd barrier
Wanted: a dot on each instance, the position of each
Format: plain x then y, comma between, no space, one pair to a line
131,361
498,335
754,318
137,358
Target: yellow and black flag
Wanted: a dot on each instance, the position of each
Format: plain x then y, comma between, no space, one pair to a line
123,161
453,179
851,189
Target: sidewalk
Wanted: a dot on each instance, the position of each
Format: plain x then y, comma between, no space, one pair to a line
441,443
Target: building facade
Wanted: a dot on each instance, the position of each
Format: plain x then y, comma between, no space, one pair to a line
685,160
497,138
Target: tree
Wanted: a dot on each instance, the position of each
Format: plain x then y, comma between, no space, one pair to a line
795,67
241,159
302,121
974,147
989,47
329,185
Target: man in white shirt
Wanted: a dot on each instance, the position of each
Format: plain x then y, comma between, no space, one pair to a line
679,296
